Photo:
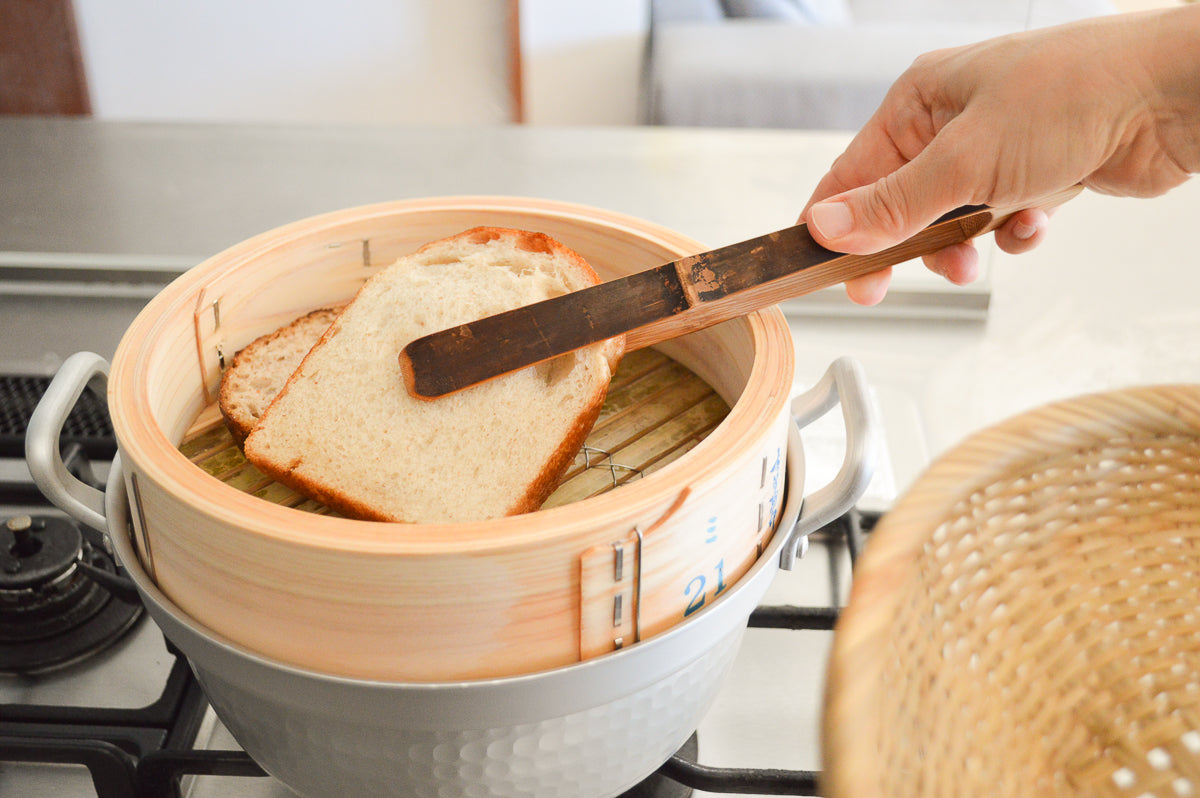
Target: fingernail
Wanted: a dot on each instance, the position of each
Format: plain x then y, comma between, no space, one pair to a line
1023,231
831,219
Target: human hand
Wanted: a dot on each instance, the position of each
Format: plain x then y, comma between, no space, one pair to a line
1111,102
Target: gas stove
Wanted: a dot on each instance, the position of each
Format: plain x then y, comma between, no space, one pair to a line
97,702
107,707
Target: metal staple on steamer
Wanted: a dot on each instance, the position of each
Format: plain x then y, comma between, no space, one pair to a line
216,311
618,599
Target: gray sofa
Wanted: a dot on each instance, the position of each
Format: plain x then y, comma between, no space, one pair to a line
815,64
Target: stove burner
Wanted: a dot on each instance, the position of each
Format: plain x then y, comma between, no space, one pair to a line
56,607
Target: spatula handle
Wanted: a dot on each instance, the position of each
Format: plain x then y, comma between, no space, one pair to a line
669,300
731,282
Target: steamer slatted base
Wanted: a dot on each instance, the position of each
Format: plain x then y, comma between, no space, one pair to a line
656,411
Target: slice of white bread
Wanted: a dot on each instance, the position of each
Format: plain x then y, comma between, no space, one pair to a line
260,369
345,432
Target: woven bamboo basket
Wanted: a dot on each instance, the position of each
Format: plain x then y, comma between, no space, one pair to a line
1025,621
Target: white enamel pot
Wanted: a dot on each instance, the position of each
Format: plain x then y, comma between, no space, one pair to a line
594,728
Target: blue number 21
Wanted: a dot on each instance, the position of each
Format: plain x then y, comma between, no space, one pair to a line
696,593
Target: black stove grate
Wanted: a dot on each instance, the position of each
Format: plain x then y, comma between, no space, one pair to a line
145,753
116,745
87,425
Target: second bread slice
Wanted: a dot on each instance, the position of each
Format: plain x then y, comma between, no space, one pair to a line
259,370
345,432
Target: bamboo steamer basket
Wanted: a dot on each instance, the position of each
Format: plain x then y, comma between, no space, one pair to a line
1025,621
450,601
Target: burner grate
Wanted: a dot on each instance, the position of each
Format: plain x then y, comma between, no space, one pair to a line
87,425
117,746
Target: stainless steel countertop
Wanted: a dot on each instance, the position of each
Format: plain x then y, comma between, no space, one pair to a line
190,190
1108,299
83,193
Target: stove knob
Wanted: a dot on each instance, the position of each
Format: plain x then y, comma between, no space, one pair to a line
22,528
19,522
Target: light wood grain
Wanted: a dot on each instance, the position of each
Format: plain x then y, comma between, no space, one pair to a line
433,602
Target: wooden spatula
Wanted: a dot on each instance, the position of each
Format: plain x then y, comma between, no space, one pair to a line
669,300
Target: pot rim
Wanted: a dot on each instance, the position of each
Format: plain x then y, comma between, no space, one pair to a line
148,449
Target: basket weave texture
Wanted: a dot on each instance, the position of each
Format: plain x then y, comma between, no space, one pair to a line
1025,621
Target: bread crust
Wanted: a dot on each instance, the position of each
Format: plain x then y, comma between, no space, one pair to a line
541,488
230,397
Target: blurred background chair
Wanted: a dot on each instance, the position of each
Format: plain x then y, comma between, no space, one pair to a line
817,64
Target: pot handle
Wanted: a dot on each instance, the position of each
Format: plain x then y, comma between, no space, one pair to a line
844,382
67,492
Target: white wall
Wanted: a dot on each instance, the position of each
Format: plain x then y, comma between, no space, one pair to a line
582,60
355,61
361,61
366,61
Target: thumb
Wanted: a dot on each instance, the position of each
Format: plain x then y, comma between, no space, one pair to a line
881,214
